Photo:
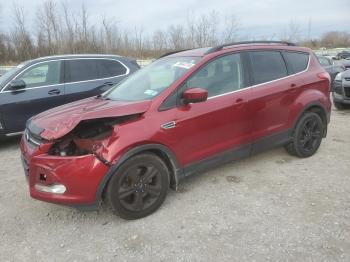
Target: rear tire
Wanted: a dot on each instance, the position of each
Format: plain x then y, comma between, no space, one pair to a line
139,186
307,136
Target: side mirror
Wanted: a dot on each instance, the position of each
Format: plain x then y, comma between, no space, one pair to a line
17,84
195,95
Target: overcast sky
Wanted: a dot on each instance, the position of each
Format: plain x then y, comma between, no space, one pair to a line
256,18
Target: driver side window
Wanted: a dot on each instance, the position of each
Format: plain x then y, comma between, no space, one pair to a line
223,75
43,74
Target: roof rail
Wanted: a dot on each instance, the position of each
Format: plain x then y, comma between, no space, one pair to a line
173,52
220,47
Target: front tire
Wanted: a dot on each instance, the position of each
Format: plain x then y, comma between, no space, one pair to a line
139,186
307,136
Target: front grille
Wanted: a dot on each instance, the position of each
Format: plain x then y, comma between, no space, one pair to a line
337,87
347,78
347,91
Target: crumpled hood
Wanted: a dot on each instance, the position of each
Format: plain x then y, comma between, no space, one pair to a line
59,121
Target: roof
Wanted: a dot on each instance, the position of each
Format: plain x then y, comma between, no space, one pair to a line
248,46
68,56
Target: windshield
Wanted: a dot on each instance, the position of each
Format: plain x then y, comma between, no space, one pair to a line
9,74
152,79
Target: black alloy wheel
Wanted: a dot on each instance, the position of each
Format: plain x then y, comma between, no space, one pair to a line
307,135
310,134
139,186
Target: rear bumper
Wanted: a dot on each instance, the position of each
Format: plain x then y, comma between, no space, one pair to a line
80,177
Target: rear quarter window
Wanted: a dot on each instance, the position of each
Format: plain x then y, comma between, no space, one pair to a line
110,68
93,69
296,61
267,66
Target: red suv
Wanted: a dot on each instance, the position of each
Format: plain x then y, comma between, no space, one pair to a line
184,113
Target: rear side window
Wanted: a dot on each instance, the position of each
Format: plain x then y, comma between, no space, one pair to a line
110,68
82,70
267,66
296,61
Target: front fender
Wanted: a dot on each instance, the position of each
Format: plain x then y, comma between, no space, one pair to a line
178,171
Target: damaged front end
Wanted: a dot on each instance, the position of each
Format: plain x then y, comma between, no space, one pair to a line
69,169
89,137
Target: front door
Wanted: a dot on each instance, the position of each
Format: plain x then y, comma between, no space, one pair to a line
221,124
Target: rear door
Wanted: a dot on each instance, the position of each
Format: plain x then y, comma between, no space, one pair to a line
86,77
44,90
272,93
275,87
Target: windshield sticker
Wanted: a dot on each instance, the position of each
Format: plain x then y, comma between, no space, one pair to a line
185,65
150,92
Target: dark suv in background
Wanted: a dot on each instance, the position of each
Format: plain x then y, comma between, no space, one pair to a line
343,54
40,84
332,68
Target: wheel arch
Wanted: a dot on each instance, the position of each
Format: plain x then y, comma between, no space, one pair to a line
163,152
317,108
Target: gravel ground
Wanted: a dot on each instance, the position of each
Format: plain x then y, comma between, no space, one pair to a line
270,207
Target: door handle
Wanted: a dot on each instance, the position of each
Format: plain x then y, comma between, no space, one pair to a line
54,92
108,84
293,85
239,100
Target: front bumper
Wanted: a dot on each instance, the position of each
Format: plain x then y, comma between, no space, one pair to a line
339,98
341,92
79,175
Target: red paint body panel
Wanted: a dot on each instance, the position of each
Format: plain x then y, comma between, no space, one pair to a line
202,130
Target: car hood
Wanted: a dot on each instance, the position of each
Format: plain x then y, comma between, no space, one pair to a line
59,121
345,62
345,73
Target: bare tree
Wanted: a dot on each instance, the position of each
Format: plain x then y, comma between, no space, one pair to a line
59,31
159,42
139,41
335,39
231,27
20,36
49,27
67,30
292,33
176,37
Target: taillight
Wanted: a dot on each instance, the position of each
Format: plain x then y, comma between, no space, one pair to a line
324,76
